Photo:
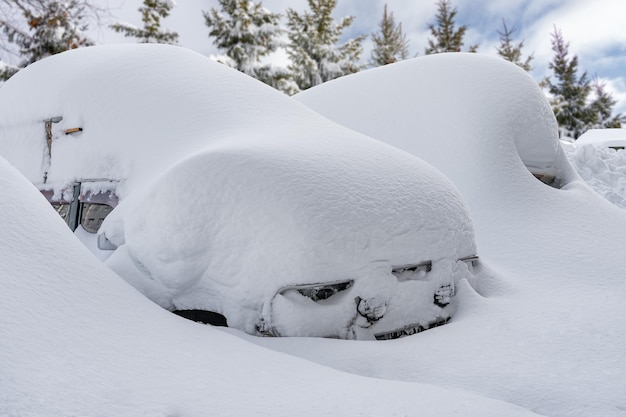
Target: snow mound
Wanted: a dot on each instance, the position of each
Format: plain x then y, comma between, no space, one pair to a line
231,192
225,230
440,97
142,108
482,121
604,169
605,137
77,340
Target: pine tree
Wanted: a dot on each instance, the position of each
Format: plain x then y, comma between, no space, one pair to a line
446,37
247,32
569,91
511,52
152,12
390,44
43,28
602,107
313,48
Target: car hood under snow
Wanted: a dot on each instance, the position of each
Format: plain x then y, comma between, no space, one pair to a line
229,190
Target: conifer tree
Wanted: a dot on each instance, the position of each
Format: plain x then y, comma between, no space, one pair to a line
247,32
42,28
510,51
390,44
152,12
446,37
602,107
569,91
313,48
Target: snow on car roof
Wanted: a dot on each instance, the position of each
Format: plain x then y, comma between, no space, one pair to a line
433,103
605,137
141,109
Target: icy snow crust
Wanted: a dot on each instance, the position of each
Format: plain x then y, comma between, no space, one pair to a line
552,338
76,340
231,192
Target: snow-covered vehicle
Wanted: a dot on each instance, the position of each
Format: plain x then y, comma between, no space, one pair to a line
438,101
76,340
229,202
610,138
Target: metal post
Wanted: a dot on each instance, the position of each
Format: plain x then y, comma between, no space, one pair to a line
74,217
48,126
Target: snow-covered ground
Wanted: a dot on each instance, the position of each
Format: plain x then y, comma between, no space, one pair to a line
550,340
543,336
600,159
76,340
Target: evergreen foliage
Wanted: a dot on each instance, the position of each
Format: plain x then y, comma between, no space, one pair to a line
569,91
445,36
152,12
247,32
511,52
43,28
574,109
313,48
602,107
390,44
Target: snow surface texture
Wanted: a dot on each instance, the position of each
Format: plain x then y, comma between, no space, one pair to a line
262,217
552,339
601,166
264,193
76,340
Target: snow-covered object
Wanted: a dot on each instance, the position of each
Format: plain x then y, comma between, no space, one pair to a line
432,96
76,340
258,221
552,338
237,200
602,166
611,138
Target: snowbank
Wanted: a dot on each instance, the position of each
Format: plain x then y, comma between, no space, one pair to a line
77,340
549,340
604,169
232,194
599,158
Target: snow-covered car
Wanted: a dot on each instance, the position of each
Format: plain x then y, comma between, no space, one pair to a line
610,138
228,202
438,101
76,340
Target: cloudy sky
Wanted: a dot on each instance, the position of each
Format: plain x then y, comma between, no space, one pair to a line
595,30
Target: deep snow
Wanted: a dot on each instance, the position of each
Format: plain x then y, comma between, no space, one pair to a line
599,164
551,340
77,340
547,333
253,205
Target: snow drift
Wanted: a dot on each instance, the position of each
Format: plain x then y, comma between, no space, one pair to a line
599,158
557,325
75,339
232,194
